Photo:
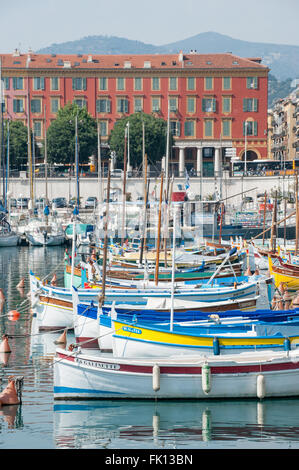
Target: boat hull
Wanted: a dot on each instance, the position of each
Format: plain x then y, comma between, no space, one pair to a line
83,376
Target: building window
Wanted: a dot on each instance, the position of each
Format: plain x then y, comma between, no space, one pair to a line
226,104
155,105
155,83
190,83
189,128
36,105
120,84
250,105
175,128
80,102
208,128
6,83
54,105
138,105
38,83
190,104
122,105
209,105
173,83
226,128
227,83
103,128
137,84
103,83
37,128
103,105
208,83
252,82
79,84
54,83
250,128
18,105
173,105
17,83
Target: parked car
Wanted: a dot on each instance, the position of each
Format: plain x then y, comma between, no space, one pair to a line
59,202
91,202
13,202
40,203
22,202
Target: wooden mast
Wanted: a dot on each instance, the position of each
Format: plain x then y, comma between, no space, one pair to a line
143,239
264,223
159,233
104,268
297,215
124,191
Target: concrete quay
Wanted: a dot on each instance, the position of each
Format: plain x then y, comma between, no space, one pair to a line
226,187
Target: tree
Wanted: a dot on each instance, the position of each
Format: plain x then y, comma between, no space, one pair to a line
155,130
18,149
61,135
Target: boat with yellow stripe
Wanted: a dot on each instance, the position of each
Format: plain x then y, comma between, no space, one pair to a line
132,339
282,275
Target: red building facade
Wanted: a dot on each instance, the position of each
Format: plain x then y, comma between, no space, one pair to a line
215,101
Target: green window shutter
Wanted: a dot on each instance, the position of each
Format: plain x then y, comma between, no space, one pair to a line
203,105
255,128
208,128
245,106
14,83
214,105
84,84
178,128
255,104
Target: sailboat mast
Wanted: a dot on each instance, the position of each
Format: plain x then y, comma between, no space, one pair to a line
46,157
159,232
297,214
124,190
99,164
143,239
77,162
104,267
29,150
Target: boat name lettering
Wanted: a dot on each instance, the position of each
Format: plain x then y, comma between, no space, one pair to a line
132,330
100,365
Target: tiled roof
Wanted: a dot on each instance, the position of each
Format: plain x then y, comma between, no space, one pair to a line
127,61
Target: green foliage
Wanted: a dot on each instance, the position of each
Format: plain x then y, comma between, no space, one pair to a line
61,135
278,89
155,130
18,149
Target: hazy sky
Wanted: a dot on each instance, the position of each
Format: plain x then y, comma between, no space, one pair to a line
40,23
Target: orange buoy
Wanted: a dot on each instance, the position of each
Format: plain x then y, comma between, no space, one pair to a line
248,272
2,300
54,280
287,300
13,315
21,284
62,338
4,346
9,395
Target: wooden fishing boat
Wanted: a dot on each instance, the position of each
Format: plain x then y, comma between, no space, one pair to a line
282,275
136,339
262,374
93,326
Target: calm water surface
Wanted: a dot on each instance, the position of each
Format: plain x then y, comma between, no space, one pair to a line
41,423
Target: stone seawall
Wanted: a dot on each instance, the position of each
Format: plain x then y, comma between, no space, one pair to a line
226,186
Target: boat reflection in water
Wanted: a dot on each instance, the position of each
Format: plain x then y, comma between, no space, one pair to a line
176,424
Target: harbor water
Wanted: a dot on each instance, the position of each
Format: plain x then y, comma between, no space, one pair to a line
39,422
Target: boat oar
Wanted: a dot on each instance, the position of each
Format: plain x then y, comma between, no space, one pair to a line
229,254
